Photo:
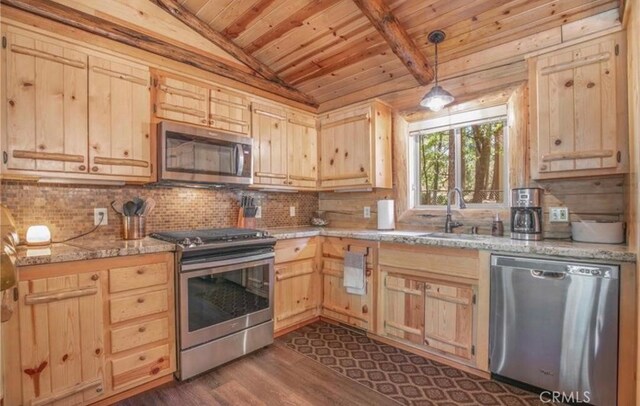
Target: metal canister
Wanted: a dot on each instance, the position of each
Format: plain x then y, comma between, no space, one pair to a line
134,227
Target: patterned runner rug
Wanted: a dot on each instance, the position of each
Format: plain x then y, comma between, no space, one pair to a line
400,375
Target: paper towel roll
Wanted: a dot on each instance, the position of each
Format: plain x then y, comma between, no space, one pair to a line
386,219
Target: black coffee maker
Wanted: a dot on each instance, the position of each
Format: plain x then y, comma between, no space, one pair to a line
526,214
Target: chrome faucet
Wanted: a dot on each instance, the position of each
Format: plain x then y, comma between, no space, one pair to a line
449,224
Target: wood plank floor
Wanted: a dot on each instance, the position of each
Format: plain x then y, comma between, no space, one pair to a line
270,376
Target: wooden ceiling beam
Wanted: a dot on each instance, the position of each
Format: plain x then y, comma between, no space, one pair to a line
98,26
294,20
192,21
400,42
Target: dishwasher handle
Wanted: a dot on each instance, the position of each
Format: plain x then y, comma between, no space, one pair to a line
537,273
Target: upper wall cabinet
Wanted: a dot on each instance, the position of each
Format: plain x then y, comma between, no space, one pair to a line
269,145
46,103
73,112
206,105
119,118
578,110
355,147
302,146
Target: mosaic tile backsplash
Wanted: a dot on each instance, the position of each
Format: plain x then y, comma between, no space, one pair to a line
68,209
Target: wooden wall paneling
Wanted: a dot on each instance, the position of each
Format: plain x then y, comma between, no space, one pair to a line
119,117
269,123
47,105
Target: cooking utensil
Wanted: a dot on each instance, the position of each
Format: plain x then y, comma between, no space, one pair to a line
117,206
139,206
149,205
129,208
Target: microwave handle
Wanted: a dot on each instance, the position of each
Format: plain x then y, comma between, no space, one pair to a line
239,159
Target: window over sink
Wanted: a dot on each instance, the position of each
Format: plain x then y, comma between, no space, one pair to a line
466,150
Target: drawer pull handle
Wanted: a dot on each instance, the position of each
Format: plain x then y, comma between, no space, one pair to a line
95,277
142,329
142,357
140,300
140,271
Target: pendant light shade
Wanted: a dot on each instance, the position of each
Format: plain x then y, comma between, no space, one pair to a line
437,97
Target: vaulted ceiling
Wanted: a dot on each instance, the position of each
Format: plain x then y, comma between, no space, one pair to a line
329,48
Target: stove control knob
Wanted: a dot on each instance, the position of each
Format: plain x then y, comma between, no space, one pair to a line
185,242
197,241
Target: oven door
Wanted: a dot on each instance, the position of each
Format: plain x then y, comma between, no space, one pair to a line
194,154
219,298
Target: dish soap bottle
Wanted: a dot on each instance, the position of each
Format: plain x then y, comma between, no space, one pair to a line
497,228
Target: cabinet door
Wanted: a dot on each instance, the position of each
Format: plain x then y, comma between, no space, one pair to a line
576,106
345,148
340,305
404,303
269,145
179,100
119,118
46,101
297,296
61,339
449,318
302,140
229,111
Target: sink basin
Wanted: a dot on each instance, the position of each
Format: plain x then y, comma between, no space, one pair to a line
451,236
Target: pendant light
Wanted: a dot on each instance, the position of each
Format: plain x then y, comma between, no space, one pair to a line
437,97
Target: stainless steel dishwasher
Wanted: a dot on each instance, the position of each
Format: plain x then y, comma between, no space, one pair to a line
554,325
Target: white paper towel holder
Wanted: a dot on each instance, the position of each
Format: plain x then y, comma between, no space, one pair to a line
386,215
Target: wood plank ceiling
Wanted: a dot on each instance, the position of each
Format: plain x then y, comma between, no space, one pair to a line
329,48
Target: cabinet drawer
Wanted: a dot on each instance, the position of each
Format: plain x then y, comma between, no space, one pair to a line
133,306
134,277
296,249
139,334
140,366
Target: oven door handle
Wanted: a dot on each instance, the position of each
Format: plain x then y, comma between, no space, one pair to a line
215,264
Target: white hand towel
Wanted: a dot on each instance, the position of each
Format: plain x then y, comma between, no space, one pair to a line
354,273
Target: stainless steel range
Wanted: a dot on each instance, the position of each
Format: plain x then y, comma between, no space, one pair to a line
225,295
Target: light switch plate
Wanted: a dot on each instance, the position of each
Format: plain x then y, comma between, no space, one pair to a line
559,214
367,212
96,217
259,212
292,211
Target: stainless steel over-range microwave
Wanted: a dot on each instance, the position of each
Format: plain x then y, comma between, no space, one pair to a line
197,155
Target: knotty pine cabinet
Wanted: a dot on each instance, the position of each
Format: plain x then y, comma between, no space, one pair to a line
355,147
302,150
89,330
73,112
337,304
297,282
188,101
428,299
578,110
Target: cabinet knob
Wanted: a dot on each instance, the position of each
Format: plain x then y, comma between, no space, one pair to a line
95,277
82,167
543,167
140,300
142,329
142,357
140,271
365,309
558,142
94,168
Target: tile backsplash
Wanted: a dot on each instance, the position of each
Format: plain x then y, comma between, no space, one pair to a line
68,209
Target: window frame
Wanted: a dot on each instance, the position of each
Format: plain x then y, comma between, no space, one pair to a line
445,123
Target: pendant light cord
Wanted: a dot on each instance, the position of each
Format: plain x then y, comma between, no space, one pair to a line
436,63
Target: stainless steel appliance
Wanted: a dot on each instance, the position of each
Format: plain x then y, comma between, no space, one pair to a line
196,155
526,214
554,326
225,295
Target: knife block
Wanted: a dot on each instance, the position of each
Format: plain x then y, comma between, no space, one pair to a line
245,222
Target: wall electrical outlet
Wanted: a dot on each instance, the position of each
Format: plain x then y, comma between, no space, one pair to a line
559,214
100,214
259,212
367,212
292,211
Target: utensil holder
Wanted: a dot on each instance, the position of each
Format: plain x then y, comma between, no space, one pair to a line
134,227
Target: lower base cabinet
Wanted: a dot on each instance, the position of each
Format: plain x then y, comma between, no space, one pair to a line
89,330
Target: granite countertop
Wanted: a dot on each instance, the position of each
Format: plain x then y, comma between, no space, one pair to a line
556,248
89,248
